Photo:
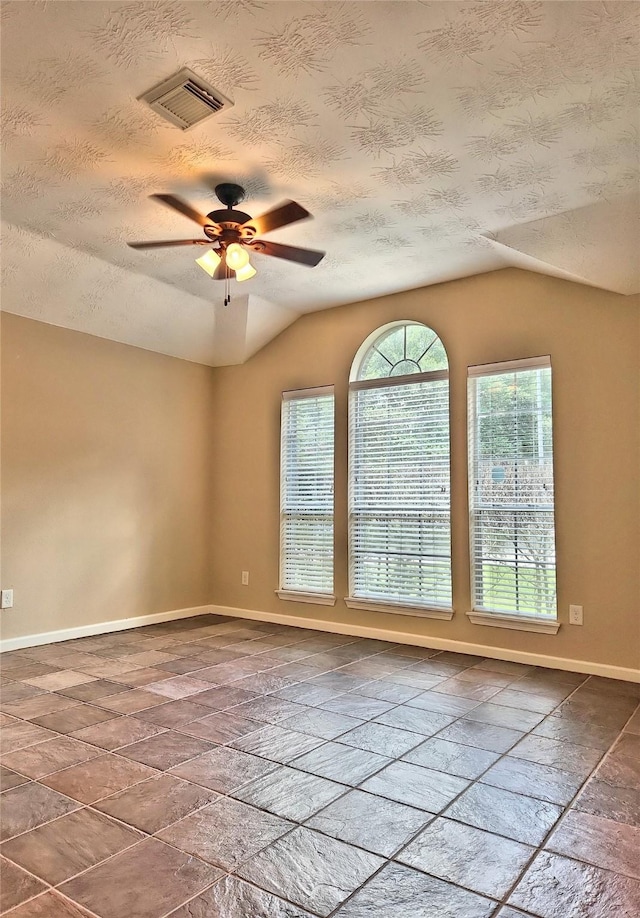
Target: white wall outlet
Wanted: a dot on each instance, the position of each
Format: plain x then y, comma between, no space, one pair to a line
245,578
575,615
7,599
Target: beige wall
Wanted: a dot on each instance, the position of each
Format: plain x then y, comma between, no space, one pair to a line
134,483
105,479
593,338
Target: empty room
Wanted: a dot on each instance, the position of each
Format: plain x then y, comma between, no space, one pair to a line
320,465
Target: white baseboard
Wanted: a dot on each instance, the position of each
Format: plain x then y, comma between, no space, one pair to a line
354,629
121,624
497,653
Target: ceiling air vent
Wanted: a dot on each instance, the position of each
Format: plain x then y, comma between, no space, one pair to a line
185,99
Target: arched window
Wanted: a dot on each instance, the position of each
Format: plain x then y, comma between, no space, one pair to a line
399,480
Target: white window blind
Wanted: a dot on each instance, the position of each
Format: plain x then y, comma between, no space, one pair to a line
399,505
306,491
511,492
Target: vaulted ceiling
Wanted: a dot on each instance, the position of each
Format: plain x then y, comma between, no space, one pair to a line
430,140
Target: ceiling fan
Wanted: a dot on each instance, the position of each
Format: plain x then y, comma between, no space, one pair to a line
232,235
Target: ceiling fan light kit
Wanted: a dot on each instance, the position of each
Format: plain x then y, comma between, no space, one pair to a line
237,257
233,235
245,273
209,262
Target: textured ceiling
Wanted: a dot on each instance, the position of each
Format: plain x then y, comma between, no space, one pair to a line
430,140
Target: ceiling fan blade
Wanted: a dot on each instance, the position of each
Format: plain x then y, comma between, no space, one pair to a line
310,257
166,242
283,215
176,203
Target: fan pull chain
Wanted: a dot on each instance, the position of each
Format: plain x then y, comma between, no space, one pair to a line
227,285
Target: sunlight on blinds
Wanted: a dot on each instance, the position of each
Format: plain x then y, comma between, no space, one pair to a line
399,495
306,491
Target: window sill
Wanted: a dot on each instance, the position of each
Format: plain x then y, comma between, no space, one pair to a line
318,599
369,605
514,622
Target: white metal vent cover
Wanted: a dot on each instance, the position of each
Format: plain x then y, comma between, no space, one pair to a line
185,99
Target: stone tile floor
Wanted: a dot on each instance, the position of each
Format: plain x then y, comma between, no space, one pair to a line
218,768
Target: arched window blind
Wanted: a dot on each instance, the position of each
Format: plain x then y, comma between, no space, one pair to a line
399,476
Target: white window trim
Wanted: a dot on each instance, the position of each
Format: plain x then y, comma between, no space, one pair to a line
538,623
388,381
293,595
311,392
363,602
535,623
369,605
320,599
497,369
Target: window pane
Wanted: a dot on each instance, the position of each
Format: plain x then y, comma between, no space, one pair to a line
376,366
402,350
420,339
434,358
512,492
306,493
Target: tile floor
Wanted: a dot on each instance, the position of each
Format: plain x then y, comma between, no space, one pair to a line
217,768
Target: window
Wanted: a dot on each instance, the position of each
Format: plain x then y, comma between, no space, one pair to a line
306,495
511,488
399,503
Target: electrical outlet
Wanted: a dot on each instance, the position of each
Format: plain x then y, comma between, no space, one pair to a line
245,578
575,615
7,599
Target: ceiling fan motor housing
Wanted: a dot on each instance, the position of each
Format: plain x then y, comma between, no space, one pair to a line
229,193
236,217
230,220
